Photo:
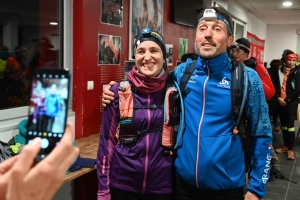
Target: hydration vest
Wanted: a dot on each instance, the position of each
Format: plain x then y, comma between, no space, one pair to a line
128,134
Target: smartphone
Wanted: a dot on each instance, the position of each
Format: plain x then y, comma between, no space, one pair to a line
48,108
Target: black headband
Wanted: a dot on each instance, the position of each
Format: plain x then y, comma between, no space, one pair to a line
148,35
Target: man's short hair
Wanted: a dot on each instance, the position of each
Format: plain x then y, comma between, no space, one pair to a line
275,63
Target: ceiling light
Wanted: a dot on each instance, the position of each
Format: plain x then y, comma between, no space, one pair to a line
53,23
287,3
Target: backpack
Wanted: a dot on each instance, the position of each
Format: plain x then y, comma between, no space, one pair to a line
5,151
237,100
276,174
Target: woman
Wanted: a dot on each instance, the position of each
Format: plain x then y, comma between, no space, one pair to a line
134,167
288,100
274,72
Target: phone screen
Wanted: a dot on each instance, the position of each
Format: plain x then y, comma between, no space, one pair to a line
48,108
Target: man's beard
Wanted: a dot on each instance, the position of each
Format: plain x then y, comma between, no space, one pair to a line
205,57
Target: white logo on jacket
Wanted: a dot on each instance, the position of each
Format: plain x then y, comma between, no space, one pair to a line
224,83
192,78
265,176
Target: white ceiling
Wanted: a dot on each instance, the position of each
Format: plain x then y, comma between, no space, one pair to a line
272,11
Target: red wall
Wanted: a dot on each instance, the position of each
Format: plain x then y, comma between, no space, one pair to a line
86,27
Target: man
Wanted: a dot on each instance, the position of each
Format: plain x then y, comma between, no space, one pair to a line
240,50
240,53
21,179
53,106
274,72
288,98
210,160
283,56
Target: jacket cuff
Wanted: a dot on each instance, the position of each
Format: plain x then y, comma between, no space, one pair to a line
103,195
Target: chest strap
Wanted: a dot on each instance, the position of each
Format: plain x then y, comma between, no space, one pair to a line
128,133
149,107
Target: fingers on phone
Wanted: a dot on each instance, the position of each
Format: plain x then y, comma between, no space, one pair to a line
65,153
8,164
26,158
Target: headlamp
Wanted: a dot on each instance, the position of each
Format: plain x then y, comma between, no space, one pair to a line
211,14
239,45
147,33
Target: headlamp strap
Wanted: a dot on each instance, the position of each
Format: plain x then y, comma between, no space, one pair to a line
211,14
238,45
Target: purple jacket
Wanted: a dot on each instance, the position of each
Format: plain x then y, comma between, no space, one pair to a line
141,168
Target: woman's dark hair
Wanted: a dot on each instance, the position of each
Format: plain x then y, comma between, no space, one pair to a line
165,67
275,63
221,11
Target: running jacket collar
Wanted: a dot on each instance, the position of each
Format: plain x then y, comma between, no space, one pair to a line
215,64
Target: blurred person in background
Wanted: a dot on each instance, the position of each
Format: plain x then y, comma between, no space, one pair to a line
288,100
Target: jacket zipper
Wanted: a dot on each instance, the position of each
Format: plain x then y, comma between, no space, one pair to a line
200,124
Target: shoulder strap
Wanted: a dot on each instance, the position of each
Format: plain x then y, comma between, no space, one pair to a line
186,76
238,93
237,85
182,91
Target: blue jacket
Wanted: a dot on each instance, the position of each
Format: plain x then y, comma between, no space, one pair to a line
209,155
52,105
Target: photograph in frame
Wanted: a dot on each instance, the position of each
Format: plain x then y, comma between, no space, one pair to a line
169,56
144,14
128,65
111,12
109,48
183,46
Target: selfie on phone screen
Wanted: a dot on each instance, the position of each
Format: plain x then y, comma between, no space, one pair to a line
48,108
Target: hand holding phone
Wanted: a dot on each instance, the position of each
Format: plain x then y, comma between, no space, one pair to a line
48,108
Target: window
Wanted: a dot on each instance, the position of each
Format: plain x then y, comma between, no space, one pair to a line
31,36
239,29
30,39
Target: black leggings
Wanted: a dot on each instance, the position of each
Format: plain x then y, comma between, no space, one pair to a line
123,195
287,117
185,191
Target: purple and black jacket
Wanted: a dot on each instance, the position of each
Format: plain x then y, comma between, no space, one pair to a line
141,168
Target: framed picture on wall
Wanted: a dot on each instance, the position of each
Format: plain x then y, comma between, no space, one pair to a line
128,66
183,46
169,48
144,14
109,48
111,12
